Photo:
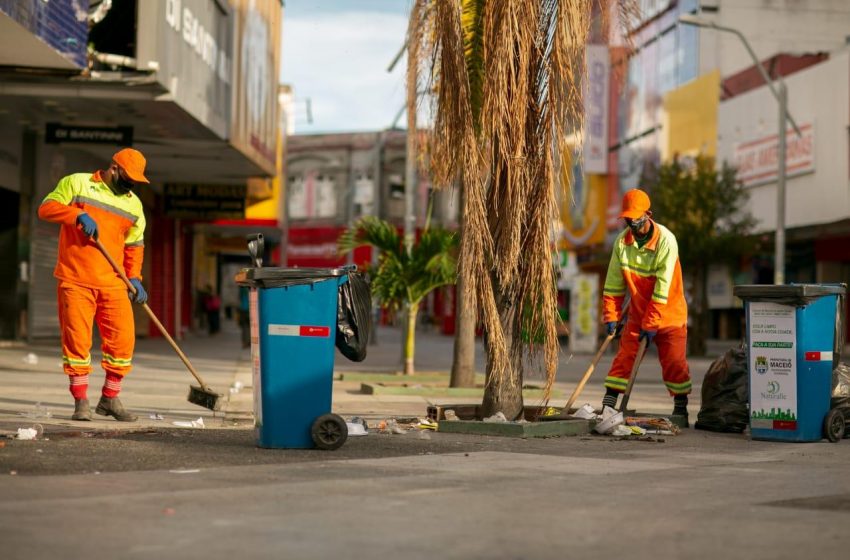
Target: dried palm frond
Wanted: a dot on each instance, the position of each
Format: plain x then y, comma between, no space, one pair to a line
507,78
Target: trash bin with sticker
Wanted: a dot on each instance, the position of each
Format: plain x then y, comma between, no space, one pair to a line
795,335
294,329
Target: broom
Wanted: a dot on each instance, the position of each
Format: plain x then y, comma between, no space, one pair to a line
200,395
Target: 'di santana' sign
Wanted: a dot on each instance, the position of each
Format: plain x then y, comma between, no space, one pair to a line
183,20
200,201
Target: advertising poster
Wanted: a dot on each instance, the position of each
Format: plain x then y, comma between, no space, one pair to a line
584,313
773,367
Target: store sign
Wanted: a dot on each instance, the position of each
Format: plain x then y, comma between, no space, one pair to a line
55,133
596,110
205,201
757,161
188,45
773,366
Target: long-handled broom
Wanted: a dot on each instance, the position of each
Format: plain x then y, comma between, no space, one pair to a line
200,395
566,411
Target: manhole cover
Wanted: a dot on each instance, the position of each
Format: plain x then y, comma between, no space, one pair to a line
837,502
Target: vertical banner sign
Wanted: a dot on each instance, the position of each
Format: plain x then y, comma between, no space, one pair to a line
773,367
596,110
584,312
254,314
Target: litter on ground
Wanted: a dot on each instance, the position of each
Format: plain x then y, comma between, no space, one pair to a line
199,423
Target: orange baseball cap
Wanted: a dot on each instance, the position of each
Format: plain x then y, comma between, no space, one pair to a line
635,204
133,163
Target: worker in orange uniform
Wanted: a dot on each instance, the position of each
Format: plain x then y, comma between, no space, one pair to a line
645,264
102,206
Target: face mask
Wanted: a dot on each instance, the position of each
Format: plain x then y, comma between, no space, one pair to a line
636,225
122,185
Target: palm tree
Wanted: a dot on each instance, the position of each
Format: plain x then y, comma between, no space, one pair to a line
506,76
402,278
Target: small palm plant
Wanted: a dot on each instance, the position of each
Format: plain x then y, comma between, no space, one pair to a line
402,278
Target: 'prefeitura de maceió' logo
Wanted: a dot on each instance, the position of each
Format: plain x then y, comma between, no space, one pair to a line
761,365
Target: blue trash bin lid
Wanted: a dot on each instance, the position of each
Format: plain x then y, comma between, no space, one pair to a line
273,277
790,294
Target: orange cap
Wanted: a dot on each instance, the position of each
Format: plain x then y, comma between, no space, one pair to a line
635,204
133,163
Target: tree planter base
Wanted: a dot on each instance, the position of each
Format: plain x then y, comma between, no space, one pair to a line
576,427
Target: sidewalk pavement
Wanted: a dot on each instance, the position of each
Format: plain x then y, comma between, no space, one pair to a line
35,389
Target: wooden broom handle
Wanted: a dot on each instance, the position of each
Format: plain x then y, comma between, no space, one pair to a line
120,272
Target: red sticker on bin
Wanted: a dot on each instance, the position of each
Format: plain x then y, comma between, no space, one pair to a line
315,331
818,356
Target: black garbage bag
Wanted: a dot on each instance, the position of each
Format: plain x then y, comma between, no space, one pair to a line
354,317
725,394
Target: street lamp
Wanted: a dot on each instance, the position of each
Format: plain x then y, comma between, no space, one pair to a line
780,92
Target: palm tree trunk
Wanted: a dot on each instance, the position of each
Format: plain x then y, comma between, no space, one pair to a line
463,362
504,392
409,343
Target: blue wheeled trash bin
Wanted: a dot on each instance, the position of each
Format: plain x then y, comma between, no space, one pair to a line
294,316
795,335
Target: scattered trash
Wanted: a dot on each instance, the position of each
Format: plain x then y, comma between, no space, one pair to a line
38,412
356,429
155,416
424,434
841,381
551,411
199,423
627,431
30,359
13,473
185,471
168,511
2,444
427,424
498,417
656,425
39,450
394,428
586,412
30,433
236,387
361,421
96,472
451,415
609,420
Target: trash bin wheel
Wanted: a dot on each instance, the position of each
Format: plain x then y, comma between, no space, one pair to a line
329,432
833,425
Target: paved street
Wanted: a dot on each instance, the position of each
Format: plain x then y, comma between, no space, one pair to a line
154,490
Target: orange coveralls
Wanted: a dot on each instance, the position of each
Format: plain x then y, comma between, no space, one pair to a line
89,290
652,276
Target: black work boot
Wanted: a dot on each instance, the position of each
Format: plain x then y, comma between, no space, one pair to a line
113,407
81,410
680,408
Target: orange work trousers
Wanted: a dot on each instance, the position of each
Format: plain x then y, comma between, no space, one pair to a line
672,345
79,307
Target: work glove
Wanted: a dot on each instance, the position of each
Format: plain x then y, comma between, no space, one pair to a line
141,294
89,226
612,327
648,335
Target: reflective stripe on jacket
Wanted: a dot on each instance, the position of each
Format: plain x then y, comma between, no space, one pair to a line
651,275
120,222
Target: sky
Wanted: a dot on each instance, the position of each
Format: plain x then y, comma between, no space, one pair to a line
336,54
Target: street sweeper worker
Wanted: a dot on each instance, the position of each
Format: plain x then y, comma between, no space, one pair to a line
645,265
98,206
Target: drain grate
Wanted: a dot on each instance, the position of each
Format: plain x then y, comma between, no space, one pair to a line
836,502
